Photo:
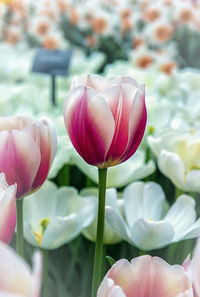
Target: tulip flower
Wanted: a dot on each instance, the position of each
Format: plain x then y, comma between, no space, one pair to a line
105,118
16,277
55,216
7,210
178,157
26,153
145,276
143,220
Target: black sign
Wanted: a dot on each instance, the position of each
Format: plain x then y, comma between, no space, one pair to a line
52,62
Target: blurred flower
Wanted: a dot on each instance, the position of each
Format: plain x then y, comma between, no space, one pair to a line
16,278
105,118
178,155
111,199
7,210
146,224
54,216
145,276
27,151
120,175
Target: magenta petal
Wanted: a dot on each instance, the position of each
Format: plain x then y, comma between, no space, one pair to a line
15,151
89,123
137,123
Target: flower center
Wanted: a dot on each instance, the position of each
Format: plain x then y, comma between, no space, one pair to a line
43,226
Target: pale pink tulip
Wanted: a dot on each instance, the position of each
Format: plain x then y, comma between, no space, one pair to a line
193,269
105,118
27,150
7,210
16,277
145,276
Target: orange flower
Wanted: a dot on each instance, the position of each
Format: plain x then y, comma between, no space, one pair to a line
163,33
185,15
126,26
137,42
99,24
125,13
152,14
62,6
167,67
144,61
73,16
42,28
50,43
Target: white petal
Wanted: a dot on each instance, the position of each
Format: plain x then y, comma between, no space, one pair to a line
149,235
116,223
192,180
181,215
172,166
143,201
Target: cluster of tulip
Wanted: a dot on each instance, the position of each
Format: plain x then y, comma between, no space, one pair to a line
105,120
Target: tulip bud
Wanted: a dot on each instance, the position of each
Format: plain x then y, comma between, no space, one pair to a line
105,118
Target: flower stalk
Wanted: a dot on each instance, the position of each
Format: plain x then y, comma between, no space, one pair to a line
20,229
97,271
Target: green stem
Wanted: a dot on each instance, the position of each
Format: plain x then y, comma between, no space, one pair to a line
100,230
20,231
45,273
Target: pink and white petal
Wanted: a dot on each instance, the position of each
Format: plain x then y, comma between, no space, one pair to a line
8,215
52,137
36,276
14,122
181,215
89,123
192,180
108,289
46,141
137,123
171,165
15,150
148,235
119,99
12,265
94,81
9,294
157,276
195,269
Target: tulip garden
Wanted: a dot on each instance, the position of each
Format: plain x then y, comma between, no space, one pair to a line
100,148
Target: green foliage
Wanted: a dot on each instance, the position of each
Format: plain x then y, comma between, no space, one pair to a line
188,45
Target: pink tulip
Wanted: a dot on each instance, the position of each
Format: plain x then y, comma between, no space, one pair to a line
7,210
105,118
16,277
26,152
145,276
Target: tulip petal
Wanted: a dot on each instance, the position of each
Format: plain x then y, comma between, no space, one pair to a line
149,235
19,280
14,122
8,214
181,215
119,99
192,180
116,223
108,289
46,141
15,161
89,123
157,276
143,200
137,123
193,231
172,166
37,275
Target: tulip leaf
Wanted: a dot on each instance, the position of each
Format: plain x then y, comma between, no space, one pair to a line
110,260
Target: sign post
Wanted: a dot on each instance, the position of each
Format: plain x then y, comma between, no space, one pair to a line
52,63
